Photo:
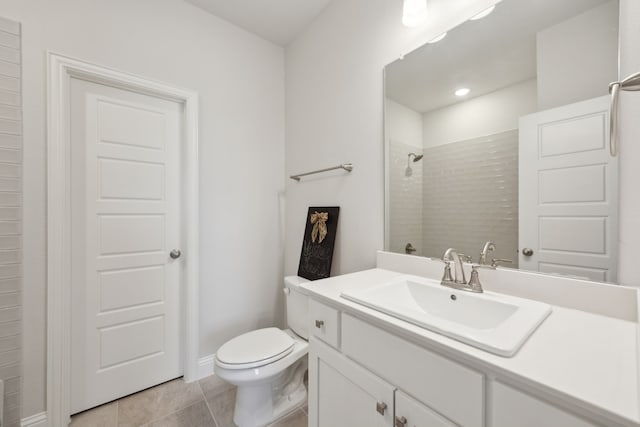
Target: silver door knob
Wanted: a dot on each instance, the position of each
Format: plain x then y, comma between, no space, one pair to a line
527,251
175,254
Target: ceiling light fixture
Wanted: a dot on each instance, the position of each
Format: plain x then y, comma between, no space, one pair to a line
414,13
437,39
484,13
462,91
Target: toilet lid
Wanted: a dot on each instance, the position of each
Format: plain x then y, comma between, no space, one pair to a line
255,348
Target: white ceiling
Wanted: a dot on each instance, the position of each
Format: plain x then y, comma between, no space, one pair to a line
484,55
279,21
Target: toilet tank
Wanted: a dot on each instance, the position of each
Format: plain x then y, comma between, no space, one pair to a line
297,306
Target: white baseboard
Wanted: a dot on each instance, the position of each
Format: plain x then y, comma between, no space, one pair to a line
37,420
205,366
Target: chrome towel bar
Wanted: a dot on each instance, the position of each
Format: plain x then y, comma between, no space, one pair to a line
346,166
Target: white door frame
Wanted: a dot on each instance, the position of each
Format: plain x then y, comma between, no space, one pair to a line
60,70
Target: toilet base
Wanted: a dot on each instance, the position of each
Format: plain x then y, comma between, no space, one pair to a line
260,404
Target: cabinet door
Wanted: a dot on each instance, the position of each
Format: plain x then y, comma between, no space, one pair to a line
343,394
411,413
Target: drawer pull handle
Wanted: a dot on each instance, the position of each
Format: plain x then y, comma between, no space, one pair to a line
401,421
319,324
381,407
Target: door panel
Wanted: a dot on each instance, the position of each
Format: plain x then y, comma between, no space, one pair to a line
568,192
125,157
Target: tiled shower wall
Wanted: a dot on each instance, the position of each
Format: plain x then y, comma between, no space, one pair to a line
405,197
471,196
10,219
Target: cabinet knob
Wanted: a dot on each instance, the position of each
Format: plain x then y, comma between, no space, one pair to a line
401,421
381,407
319,324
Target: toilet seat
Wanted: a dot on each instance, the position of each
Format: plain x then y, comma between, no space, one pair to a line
255,348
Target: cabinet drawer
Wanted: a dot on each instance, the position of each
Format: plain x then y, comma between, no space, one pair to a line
325,323
511,407
411,413
447,387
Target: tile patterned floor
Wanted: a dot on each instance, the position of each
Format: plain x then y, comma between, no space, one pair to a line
206,403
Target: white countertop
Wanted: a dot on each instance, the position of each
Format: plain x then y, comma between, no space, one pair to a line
585,359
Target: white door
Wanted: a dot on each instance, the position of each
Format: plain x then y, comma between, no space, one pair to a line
125,202
568,192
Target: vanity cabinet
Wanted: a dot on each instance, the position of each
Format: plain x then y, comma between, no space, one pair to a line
343,394
363,375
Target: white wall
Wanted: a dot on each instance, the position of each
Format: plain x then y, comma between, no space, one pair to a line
240,79
488,114
335,114
403,124
577,58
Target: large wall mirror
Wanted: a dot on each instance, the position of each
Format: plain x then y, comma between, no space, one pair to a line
498,132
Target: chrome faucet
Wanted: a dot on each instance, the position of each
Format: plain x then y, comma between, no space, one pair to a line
458,281
458,278
488,246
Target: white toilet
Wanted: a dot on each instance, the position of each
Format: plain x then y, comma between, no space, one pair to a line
268,365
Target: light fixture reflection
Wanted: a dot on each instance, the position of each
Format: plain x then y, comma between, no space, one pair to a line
462,91
484,13
437,39
414,13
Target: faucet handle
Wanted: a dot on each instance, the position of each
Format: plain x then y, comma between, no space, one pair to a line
467,258
446,277
474,280
496,262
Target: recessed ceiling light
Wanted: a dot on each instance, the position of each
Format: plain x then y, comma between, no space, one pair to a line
484,13
437,39
462,91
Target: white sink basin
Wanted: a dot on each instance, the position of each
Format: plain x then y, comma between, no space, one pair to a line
497,323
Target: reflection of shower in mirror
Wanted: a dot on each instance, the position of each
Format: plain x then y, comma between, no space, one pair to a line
416,158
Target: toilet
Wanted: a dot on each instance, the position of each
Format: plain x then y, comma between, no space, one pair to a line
268,365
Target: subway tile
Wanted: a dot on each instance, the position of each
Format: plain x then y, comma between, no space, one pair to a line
10,285
9,155
9,357
13,342
9,371
10,70
9,329
12,385
9,54
9,40
11,141
10,315
11,401
10,256
11,84
10,184
10,98
9,170
9,26
8,271
10,113
9,299
10,213
9,228
10,242
8,198
13,127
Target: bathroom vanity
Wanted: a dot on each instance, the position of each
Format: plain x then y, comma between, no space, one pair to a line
579,368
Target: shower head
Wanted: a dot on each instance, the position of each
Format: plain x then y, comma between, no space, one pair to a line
416,157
